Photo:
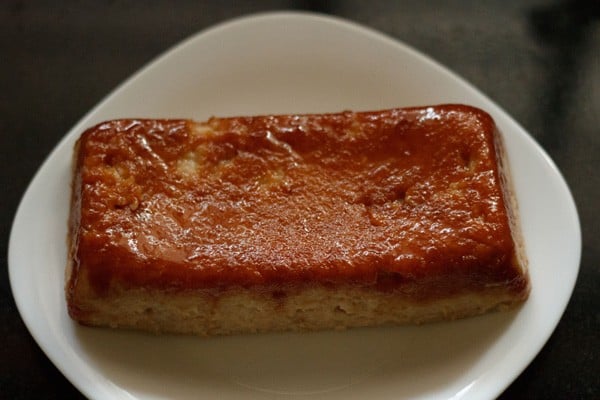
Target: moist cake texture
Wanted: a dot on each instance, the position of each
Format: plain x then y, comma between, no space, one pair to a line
293,222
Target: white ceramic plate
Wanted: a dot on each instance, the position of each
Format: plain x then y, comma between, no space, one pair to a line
295,63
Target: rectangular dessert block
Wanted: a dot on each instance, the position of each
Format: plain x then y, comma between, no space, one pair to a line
293,222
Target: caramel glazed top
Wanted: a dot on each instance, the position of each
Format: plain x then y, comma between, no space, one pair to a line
372,198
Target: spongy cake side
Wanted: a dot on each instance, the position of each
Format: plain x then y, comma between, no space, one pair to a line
403,208
307,308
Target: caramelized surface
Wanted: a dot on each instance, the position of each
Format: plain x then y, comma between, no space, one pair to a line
376,198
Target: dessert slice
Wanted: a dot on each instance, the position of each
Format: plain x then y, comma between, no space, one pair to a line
293,222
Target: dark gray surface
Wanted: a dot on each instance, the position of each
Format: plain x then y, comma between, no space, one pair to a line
539,60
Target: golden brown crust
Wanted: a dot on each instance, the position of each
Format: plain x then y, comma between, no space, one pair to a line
410,208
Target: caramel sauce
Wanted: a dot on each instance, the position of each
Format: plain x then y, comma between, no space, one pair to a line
374,198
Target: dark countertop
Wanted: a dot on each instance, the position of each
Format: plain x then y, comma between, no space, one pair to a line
539,60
